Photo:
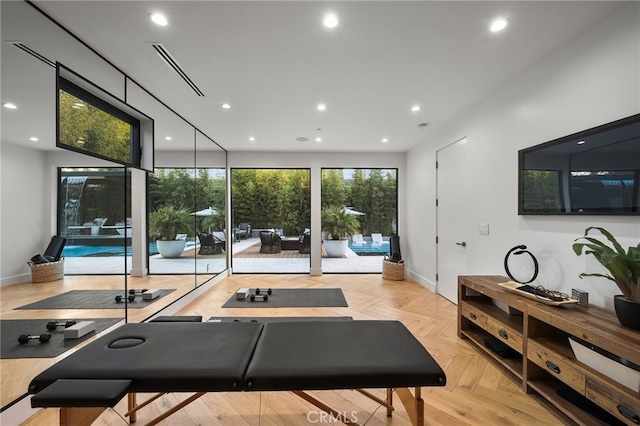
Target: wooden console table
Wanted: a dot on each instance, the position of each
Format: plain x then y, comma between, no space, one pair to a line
539,333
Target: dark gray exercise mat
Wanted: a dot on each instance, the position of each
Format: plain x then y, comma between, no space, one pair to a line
276,319
292,298
11,329
92,299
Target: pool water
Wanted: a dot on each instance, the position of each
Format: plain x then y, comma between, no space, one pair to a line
101,251
369,249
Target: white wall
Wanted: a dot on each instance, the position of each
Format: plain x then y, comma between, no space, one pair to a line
24,213
592,81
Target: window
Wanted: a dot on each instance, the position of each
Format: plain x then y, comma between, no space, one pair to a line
94,122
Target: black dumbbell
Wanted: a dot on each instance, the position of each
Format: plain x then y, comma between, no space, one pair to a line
25,338
136,292
255,297
258,291
131,298
52,325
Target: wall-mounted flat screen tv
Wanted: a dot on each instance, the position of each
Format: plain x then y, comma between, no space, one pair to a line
593,172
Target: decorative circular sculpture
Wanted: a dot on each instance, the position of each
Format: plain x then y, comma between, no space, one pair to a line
517,250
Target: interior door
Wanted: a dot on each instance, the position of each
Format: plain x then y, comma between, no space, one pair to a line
452,223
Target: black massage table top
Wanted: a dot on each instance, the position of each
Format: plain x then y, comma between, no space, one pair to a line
340,355
234,356
166,357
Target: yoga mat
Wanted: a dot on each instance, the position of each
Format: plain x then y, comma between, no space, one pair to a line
293,298
11,329
276,319
92,299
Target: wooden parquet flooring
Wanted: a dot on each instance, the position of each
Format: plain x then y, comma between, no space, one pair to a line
477,391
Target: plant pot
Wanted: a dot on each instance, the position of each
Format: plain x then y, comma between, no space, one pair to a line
170,248
627,311
336,248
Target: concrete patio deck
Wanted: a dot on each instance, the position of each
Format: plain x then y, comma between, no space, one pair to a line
189,263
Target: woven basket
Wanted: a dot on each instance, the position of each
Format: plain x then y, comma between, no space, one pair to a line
43,272
393,270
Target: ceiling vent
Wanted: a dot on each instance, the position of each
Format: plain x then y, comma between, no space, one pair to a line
173,64
32,52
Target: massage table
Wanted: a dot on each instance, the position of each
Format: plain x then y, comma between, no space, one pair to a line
163,357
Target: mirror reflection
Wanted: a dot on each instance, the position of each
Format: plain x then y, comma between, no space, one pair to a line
101,208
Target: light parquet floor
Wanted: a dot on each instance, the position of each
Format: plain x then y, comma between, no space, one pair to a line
477,391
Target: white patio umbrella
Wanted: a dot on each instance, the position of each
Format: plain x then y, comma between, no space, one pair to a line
350,210
209,211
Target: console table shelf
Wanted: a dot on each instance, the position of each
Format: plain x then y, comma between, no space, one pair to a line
539,333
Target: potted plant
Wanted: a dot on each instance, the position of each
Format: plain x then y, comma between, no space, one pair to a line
165,224
624,270
338,226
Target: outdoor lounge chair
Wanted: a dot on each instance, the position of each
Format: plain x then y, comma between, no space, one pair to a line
376,239
305,244
209,244
270,242
358,240
243,231
221,237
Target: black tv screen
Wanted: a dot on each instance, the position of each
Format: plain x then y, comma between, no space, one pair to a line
593,172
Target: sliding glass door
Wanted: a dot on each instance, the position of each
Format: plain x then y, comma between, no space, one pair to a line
271,216
369,199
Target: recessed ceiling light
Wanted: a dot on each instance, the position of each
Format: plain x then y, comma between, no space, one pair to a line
498,24
385,140
33,139
318,139
322,107
581,142
9,105
168,138
330,20
159,19
415,108
302,139
226,106
252,139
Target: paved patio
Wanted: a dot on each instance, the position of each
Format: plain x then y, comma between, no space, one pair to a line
216,264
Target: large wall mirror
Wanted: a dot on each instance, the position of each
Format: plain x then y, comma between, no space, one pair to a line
102,208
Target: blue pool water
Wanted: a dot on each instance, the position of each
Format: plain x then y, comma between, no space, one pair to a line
369,249
99,251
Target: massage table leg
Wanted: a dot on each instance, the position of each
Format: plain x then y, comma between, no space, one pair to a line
133,408
413,404
324,407
72,416
388,403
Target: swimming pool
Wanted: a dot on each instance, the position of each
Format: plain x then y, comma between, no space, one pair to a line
101,251
369,249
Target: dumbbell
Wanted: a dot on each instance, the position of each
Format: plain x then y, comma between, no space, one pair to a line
255,297
258,291
52,325
131,298
25,338
137,292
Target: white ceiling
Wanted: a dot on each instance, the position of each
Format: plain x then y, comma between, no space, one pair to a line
273,62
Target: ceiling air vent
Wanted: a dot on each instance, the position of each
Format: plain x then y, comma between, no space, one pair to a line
32,52
173,64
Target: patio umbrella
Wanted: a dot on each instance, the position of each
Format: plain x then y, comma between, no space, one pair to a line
209,211
350,210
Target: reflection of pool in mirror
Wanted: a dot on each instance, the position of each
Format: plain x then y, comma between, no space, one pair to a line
103,251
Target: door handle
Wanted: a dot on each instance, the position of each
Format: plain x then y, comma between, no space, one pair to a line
462,243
